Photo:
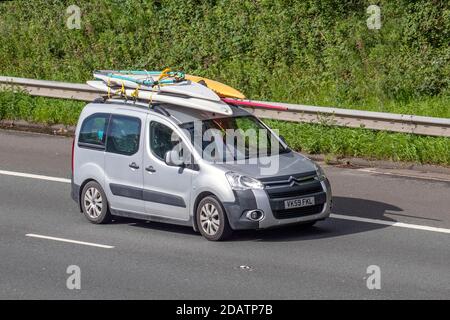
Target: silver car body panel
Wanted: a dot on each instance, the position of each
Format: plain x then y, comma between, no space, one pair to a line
169,193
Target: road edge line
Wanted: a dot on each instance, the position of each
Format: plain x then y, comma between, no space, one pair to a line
34,176
104,246
390,223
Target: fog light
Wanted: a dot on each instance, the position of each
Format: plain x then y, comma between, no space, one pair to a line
255,215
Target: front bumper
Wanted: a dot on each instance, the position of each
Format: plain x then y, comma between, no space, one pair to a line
259,199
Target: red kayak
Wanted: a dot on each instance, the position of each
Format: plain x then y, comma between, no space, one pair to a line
249,103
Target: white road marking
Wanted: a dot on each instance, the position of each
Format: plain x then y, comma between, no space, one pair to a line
70,241
375,171
336,216
33,176
390,223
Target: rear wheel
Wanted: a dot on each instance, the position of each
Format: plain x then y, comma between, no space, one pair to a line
94,203
212,220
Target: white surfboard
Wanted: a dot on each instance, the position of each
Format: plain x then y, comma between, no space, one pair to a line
161,96
187,88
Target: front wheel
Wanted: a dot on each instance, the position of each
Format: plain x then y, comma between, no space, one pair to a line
212,220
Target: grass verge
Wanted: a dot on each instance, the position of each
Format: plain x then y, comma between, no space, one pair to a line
22,106
364,143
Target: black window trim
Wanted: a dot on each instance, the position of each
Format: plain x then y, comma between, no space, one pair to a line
109,129
93,146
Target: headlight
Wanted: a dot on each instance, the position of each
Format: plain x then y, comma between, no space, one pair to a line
320,173
240,182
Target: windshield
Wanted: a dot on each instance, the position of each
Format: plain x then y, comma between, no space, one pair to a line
233,138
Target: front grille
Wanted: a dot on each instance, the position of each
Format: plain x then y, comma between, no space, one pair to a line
298,212
295,191
282,188
276,180
292,186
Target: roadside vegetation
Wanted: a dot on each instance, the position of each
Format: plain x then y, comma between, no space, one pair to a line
364,143
22,106
309,138
308,52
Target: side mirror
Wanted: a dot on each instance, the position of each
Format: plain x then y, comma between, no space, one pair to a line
172,158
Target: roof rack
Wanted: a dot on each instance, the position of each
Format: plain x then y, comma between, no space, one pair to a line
173,88
156,107
159,86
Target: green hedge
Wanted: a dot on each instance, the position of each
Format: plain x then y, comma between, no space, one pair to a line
318,52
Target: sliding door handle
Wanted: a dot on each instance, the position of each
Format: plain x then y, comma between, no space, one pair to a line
150,169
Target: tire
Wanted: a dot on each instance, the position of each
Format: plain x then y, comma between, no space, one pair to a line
94,203
212,220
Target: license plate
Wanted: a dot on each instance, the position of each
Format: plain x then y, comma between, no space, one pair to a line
298,203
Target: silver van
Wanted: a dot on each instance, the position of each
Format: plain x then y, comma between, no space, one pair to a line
127,161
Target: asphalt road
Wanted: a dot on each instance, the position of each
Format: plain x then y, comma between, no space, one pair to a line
154,261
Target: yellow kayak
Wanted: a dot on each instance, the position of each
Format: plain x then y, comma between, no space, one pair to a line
167,77
221,89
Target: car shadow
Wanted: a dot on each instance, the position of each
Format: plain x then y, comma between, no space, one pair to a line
160,226
332,227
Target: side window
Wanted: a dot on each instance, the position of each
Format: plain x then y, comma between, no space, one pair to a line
123,135
161,139
93,130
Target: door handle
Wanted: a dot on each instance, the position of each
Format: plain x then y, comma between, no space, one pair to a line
133,165
150,169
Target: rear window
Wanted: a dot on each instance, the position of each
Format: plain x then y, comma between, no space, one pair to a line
123,135
93,130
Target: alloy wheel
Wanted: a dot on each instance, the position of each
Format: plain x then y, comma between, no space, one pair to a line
209,219
93,203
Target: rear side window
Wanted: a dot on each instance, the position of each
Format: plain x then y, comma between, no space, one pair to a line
123,135
93,130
